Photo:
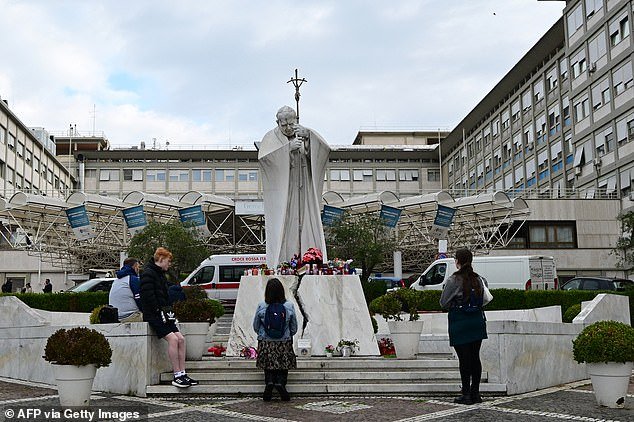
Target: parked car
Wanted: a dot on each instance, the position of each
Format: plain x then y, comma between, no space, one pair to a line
597,283
93,285
391,283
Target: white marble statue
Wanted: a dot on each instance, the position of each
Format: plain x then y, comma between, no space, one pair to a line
292,162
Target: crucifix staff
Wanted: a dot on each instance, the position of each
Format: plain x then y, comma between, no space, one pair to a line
297,82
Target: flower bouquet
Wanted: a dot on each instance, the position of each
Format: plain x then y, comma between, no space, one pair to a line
330,349
249,352
217,350
347,347
386,347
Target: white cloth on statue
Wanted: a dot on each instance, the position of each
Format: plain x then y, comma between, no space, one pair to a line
285,202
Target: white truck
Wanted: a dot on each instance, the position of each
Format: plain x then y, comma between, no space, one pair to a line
220,275
528,272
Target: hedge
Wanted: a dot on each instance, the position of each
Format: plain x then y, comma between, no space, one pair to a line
63,302
507,299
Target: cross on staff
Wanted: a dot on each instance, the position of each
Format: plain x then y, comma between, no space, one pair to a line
297,82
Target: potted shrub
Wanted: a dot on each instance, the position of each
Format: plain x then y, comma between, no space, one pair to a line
405,333
195,315
76,354
347,347
607,348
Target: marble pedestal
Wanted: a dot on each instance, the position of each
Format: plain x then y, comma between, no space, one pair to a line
334,307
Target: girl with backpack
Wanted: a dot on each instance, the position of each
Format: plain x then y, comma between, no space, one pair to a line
275,323
463,297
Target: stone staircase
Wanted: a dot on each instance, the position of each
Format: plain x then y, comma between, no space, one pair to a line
431,373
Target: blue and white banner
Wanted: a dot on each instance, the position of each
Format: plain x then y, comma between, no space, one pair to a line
80,223
194,217
135,219
442,222
390,215
330,215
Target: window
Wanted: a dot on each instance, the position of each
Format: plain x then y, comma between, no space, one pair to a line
199,175
556,155
408,175
597,48
342,175
593,6
249,175
538,91
581,107
10,175
604,141
386,175
575,19
563,68
29,156
519,175
366,175
133,175
3,135
552,234
565,103
11,143
551,79
44,169
20,149
579,63
496,128
179,175
600,94
2,169
433,175
505,120
36,164
619,28
625,129
554,120
225,175
49,176
622,78
540,129
155,175
106,175
515,111
528,137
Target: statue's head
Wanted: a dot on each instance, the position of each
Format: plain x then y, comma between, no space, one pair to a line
286,119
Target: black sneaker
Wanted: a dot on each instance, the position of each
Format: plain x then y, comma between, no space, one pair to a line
191,381
181,382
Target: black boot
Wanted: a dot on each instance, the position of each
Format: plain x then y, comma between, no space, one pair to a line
268,382
280,384
465,398
475,394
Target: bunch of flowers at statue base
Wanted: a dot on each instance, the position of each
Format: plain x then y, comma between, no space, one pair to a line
248,352
329,349
217,350
386,347
261,270
352,344
286,268
313,256
338,267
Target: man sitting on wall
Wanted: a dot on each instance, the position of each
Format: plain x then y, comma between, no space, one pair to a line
125,293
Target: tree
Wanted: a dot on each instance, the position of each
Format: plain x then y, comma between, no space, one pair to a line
624,248
188,251
364,238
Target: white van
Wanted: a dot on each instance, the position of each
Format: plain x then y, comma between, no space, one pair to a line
532,272
220,275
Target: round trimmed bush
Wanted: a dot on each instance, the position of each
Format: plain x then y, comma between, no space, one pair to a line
572,312
78,346
604,341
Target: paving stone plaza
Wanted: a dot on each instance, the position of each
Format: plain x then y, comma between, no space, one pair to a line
572,401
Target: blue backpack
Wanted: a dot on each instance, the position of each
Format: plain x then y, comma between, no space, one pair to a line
275,320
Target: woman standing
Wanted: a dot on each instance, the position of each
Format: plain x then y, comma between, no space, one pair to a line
463,296
156,310
275,322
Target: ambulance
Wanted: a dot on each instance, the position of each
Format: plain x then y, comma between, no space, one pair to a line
220,275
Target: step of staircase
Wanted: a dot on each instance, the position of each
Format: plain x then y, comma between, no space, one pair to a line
344,376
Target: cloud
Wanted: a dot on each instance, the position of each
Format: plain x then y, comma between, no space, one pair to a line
214,72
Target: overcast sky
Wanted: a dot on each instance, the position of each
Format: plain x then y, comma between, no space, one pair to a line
215,72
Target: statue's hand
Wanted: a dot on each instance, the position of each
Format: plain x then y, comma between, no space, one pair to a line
301,132
296,144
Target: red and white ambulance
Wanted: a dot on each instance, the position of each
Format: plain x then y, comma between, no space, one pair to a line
220,275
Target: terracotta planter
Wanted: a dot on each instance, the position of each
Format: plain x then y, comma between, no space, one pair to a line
610,382
74,384
406,336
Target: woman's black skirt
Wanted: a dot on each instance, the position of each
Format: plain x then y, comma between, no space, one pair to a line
276,355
